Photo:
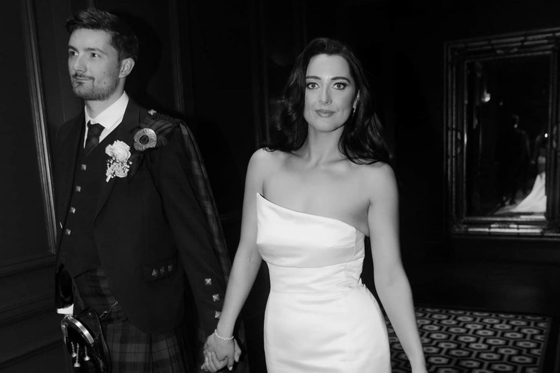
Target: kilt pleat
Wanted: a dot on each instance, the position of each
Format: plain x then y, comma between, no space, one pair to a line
131,350
135,351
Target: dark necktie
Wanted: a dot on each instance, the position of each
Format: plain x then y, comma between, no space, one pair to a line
94,130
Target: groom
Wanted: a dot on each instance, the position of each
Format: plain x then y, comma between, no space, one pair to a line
138,233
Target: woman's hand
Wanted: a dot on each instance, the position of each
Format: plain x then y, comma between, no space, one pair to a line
219,352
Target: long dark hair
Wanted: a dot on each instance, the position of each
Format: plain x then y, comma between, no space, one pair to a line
361,142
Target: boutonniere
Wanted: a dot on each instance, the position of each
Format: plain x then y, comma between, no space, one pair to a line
118,165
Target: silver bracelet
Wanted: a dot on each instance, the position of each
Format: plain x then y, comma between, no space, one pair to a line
222,338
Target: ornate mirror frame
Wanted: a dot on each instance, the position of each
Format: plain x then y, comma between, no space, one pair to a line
458,55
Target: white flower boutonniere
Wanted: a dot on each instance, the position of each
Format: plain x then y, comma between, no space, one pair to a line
119,164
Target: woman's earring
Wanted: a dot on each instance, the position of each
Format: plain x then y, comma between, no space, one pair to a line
355,103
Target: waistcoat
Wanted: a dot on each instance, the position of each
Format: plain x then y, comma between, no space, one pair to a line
78,248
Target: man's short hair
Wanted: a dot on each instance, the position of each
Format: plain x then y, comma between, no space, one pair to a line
123,38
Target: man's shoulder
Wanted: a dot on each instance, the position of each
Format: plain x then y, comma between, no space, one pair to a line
147,115
71,123
155,130
75,118
158,121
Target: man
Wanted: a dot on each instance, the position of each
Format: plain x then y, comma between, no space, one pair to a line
136,217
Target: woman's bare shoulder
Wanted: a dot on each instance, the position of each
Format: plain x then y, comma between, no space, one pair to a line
264,159
375,170
379,177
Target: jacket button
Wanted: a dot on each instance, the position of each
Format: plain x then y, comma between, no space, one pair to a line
68,232
78,188
162,270
154,273
207,281
217,314
216,297
83,167
73,210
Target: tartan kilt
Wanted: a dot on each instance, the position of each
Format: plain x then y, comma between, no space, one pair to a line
131,350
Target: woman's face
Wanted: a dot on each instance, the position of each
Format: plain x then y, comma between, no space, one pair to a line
329,92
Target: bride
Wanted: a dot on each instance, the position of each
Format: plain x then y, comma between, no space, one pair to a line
311,197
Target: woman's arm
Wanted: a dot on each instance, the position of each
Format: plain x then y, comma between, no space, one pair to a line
390,278
246,263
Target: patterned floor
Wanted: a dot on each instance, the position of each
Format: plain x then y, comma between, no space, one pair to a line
457,341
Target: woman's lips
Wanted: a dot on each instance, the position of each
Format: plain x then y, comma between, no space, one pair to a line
324,113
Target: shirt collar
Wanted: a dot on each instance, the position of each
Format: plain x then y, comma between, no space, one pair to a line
111,116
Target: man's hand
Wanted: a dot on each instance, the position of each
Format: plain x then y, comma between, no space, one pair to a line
218,353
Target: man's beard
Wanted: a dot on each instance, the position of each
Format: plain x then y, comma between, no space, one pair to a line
89,92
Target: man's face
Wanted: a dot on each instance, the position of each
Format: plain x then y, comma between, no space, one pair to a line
93,65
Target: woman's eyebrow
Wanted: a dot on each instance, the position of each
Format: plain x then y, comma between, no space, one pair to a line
333,78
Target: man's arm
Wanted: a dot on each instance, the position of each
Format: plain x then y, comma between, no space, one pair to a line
169,165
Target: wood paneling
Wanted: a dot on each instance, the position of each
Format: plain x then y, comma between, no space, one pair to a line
29,325
23,209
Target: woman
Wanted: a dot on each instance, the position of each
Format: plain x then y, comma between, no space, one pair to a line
311,197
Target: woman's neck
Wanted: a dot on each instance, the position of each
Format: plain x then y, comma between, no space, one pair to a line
321,148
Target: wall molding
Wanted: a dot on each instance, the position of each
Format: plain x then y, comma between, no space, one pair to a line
34,348
38,113
21,309
26,265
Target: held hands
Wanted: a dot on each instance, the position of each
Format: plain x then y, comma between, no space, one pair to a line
219,352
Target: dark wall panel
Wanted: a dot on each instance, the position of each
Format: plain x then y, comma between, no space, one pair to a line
22,215
60,102
29,325
216,42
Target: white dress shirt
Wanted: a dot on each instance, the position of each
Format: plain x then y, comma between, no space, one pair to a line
109,118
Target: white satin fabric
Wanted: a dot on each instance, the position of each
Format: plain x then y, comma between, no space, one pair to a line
319,316
536,200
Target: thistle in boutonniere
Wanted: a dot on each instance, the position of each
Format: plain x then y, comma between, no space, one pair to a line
118,165
150,134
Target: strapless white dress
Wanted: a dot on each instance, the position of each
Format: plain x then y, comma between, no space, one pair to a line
319,316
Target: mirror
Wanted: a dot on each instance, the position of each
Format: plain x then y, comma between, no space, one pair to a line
502,133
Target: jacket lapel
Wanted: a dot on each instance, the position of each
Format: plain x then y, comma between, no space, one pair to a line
123,133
